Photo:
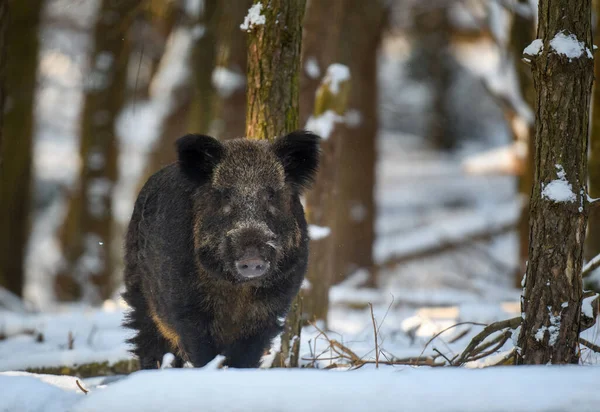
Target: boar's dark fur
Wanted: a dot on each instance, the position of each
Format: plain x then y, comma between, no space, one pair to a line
217,248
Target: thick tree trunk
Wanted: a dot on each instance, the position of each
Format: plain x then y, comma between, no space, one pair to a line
87,231
592,242
521,35
320,211
551,304
273,70
353,229
15,180
230,106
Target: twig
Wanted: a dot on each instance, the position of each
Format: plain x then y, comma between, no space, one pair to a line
442,355
71,340
81,387
589,345
375,333
512,323
448,328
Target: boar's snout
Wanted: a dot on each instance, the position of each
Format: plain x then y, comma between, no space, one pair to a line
251,265
252,250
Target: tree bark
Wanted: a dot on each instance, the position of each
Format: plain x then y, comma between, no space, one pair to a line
592,243
17,131
353,229
551,304
230,106
521,35
87,231
273,70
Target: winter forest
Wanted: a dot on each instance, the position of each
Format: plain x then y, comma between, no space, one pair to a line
388,205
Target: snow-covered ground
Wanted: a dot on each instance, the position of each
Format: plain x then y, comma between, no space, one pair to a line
527,389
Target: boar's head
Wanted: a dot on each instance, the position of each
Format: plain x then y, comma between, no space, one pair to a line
248,218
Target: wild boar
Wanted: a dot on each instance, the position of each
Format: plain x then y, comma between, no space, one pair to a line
217,249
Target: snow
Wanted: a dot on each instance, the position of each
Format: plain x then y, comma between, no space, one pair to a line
253,18
568,45
534,48
318,232
336,74
586,306
405,388
30,394
324,124
559,190
227,81
311,67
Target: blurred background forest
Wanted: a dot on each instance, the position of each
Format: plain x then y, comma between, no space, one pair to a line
425,195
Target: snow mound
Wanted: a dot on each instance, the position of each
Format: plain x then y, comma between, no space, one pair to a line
569,46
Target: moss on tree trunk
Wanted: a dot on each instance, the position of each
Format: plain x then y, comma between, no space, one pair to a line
272,111
15,180
87,231
551,303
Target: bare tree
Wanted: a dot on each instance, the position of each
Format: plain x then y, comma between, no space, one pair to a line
17,132
87,231
273,69
563,77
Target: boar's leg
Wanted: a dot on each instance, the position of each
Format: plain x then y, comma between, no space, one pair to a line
196,343
246,353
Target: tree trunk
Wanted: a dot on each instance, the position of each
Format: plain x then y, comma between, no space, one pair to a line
320,203
230,106
18,129
353,229
273,70
521,35
87,232
551,304
320,48
191,107
204,51
592,243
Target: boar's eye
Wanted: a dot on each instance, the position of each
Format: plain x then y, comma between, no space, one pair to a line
270,194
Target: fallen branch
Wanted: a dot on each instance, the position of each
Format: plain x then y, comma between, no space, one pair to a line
512,323
589,345
447,329
447,245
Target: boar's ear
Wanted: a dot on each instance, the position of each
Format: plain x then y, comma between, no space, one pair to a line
299,154
198,155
